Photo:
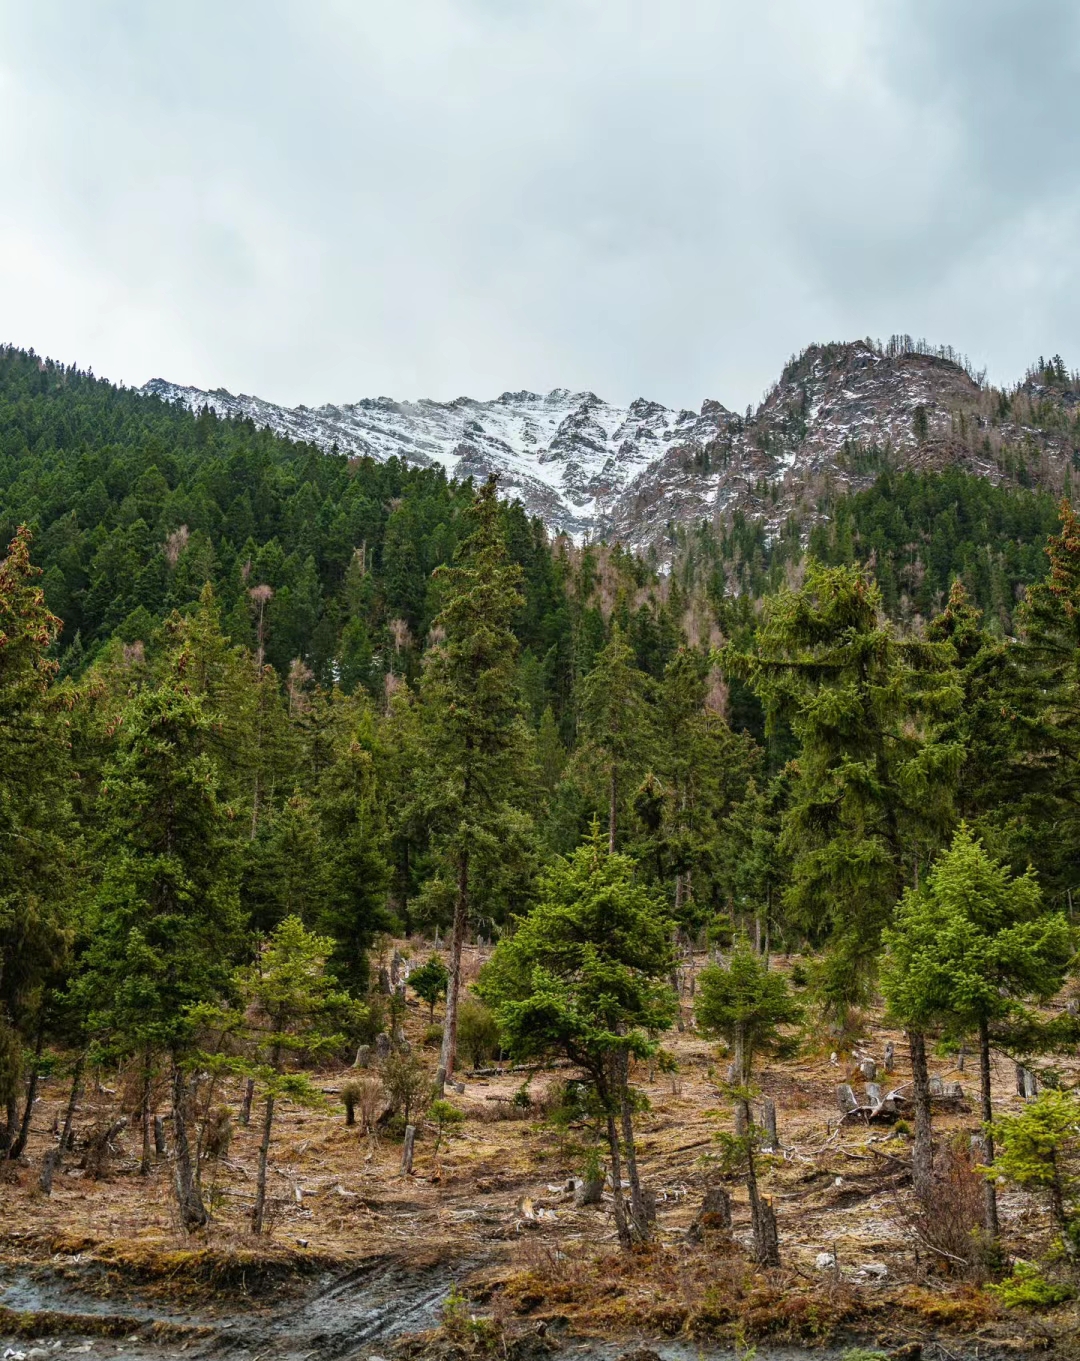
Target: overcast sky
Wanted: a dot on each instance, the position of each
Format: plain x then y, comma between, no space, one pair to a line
319,200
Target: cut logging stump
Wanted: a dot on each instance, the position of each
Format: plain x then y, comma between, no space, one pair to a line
407,1150
768,1120
382,1047
873,1094
766,1238
715,1214
160,1147
1027,1084
363,1056
49,1165
937,1087
845,1099
590,1192
741,1130
890,1057
868,1070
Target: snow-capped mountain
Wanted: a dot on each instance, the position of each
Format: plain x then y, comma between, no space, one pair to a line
592,470
569,456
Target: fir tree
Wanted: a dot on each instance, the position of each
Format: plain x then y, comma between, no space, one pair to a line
474,736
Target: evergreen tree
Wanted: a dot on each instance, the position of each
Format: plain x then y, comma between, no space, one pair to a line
616,719
163,925
744,1003
967,949
583,976
872,787
474,735
37,836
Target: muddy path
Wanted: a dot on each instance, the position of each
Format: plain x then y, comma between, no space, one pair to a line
336,1314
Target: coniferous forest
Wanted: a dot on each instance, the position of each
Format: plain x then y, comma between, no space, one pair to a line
312,765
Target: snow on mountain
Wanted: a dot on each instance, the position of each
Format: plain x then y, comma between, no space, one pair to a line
569,456
836,417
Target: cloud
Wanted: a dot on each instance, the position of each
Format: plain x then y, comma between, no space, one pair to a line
324,201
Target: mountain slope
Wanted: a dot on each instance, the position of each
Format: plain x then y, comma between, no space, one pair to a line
838,415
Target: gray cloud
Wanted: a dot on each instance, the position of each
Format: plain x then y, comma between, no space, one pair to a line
323,200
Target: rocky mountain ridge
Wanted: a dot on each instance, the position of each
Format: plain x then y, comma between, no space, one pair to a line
838,415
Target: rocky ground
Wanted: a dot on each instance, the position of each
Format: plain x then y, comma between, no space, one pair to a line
357,1252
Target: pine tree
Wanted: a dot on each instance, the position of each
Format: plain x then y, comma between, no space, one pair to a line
291,1009
474,735
582,976
616,720
36,828
164,923
745,1003
968,949
871,797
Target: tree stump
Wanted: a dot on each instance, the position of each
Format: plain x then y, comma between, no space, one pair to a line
873,1094
868,1070
937,1087
590,1192
890,1057
1027,1084
715,1214
766,1238
160,1147
407,1150
363,1056
741,1130
768,1121
845,1098
382,1047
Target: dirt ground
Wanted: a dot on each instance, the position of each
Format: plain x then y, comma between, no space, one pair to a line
496,1193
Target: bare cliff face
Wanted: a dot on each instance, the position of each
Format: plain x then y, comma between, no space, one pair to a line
838,416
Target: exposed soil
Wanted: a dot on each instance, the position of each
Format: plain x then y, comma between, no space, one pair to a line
358,1254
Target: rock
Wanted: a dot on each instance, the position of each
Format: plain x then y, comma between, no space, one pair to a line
873,1271
824,1261
640,1354
458,1087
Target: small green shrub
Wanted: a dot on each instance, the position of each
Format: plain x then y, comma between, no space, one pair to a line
1028,1288
477,1032
433,1036
445,1117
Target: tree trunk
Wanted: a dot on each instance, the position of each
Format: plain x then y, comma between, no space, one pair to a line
53,1158
762,1218
407,1150
192,1210
245,1107
621,1226
922,1154
448,1054
613,787
639,1219
144,1116
990,1222
264,1157
15,1151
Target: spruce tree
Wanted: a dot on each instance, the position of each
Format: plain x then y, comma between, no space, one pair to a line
475,742
967,950
584,976
164,923
36,829
871,797
616,720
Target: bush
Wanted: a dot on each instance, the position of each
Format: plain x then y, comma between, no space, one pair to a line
433,1036
478,1031
430,982
444,1116
950,1221
1027,1288
406,1081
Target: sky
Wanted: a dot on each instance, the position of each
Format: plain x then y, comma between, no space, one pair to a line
322,200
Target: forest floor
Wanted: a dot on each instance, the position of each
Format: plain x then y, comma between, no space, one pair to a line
491,1209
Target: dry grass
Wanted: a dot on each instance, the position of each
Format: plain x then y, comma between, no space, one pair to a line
338,1196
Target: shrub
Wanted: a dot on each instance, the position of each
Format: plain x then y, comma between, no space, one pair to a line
1027,1288
445,1117
949,1221
478,1031
430,982
433,1036
406,1081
